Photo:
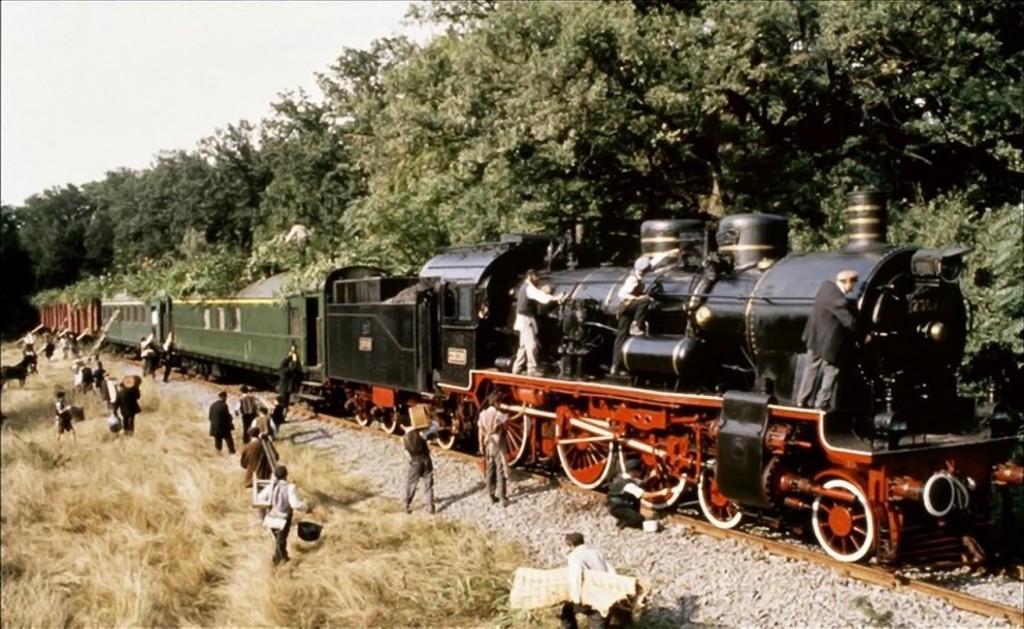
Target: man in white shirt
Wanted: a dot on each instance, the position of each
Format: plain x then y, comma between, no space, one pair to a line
284,500
527,302
582,557
490,426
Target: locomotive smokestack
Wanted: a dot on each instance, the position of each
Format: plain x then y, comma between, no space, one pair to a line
866,219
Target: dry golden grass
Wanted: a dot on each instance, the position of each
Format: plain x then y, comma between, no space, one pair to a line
157,530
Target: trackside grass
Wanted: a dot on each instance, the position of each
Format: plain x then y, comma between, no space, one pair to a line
157,530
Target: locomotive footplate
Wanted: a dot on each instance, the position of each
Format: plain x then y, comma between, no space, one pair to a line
741,457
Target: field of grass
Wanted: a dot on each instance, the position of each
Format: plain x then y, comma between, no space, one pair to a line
157,530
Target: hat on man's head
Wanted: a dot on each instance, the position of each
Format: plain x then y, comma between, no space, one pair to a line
574,539
280,472
847,274
642,265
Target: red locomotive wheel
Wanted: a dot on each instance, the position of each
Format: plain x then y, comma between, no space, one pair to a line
586,457
516,432
658,478
719,510
845,529
445,439
389,423
363,419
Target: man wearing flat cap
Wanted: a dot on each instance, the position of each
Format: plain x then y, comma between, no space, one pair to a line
633,305
831,323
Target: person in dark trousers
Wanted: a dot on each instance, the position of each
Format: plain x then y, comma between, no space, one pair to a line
421,466
582,557
63,417
248,407
490,427
99,378
127,403
221,424
827,333
150,357
633,306
625,494
289,374
284,500
168,356
280,409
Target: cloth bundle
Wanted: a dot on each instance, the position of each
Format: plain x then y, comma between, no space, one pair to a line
532,589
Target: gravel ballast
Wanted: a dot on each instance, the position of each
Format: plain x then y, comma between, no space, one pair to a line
696,580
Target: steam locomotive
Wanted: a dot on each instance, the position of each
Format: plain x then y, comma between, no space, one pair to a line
903,469
900,470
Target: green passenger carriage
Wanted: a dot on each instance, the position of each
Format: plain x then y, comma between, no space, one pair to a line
250,331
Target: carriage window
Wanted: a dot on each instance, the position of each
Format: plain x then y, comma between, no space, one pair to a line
237,321
206,318
221,319
467,302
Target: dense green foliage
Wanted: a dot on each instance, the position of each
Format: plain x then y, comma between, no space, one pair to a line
593,115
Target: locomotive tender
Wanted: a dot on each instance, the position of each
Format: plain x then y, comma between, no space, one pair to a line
900,470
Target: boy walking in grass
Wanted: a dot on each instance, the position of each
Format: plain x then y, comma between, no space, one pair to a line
63,418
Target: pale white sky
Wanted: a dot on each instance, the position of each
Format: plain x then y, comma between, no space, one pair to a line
89,87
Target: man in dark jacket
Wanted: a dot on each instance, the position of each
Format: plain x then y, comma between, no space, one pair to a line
831,322
126,404
625,494
289,374
221,424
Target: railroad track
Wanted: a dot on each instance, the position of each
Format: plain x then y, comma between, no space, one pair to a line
869,574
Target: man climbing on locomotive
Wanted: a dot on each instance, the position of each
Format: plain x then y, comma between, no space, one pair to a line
633,306
527,309
831,323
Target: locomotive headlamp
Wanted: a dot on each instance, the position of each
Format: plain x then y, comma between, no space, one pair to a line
937,331
946,264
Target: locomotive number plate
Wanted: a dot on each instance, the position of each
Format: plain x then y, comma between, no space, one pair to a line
456,356
365,343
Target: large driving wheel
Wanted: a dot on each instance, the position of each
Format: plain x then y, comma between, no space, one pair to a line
721,512
445,438
389,422
516,434
586,457
362,418
657,478
845,528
